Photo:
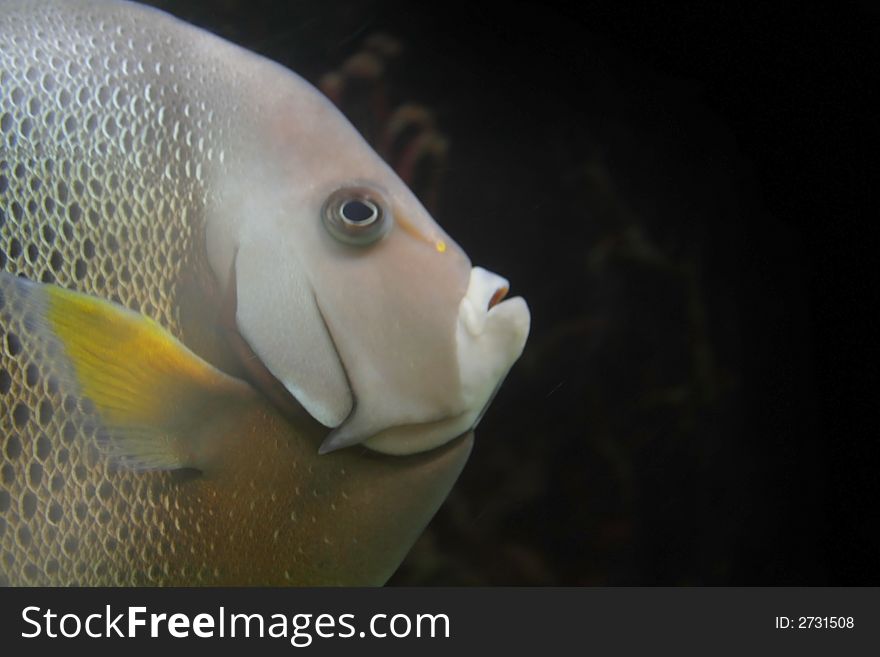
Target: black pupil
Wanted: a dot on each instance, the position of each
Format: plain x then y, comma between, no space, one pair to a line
358,211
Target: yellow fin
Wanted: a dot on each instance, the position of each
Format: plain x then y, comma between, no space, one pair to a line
154,396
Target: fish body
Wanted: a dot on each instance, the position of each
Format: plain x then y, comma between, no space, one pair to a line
215,196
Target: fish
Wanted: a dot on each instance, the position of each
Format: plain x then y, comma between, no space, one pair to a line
236,348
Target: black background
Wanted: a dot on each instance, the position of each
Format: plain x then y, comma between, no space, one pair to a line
680,193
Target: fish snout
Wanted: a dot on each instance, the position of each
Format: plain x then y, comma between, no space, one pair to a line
491,336
485,291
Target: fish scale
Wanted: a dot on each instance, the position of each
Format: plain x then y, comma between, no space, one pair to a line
54,487
101,191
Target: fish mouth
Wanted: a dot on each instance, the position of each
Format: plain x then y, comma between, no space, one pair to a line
485,294
491,336
498,296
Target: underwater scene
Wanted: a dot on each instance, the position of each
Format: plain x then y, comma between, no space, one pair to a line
536,306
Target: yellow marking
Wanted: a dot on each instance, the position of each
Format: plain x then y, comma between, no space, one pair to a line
135,371
412,231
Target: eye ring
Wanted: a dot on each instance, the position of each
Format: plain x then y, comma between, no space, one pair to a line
358,216
359,212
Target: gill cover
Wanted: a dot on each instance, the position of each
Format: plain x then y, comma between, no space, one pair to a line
277,314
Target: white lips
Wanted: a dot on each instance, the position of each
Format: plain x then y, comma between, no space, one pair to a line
482,287
489,339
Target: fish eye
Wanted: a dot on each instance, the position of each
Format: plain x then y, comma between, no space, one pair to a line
356,215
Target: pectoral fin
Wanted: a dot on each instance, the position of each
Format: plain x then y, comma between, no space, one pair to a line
157,401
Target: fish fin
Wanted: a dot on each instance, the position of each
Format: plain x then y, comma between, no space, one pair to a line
158,403
141,448
339,439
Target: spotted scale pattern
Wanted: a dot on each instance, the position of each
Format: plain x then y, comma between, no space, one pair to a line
105,139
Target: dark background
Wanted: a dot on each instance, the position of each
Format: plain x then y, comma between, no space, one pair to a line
680,194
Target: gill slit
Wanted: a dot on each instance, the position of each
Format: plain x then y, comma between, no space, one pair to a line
351,390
